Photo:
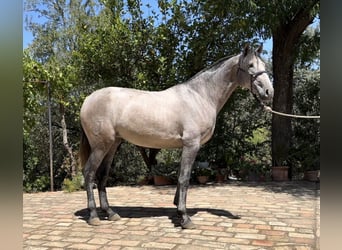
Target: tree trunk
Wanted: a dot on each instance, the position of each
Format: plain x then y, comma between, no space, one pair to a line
283,100
285,44
66,142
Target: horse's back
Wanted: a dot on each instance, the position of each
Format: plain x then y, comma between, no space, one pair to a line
151,119
145,118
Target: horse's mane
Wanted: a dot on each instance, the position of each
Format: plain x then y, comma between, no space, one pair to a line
212,67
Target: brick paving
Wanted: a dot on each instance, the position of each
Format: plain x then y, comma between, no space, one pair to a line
273,215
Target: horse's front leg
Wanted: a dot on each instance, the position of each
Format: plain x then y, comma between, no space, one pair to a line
188,156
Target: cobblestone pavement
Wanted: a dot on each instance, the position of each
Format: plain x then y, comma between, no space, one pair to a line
274,215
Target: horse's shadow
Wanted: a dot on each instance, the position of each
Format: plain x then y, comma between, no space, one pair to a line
148,212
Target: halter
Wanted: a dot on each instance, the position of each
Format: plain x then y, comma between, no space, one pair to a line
253,77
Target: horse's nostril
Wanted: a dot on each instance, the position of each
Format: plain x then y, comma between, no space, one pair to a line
267,92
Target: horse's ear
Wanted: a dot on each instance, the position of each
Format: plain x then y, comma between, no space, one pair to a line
259,49
246,49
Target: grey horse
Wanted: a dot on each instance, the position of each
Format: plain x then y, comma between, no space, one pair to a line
182,116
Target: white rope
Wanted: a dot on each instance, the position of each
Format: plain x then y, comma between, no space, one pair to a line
269,109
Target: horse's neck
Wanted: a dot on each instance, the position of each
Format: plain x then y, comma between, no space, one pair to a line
218,85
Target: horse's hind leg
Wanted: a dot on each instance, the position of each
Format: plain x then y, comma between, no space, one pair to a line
90,167
102,176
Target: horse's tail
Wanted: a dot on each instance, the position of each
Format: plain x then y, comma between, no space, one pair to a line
84,148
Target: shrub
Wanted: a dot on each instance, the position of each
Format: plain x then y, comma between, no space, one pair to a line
40,184
74,184
202,169
169,170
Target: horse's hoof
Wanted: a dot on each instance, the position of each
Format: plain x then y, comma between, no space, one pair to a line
94,221
188,225
114,217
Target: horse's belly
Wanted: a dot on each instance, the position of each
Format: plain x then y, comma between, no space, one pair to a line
150,140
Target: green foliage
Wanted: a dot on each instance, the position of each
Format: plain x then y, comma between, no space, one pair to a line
259,136
169,156
128,166
39,184
201,169
305,153
74,184
33,91
168,164
309,51
163,169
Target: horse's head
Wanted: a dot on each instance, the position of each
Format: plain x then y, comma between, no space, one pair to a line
253,75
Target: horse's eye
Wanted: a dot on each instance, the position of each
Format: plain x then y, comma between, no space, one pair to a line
251,65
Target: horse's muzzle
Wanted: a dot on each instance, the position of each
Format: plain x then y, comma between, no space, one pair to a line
264,94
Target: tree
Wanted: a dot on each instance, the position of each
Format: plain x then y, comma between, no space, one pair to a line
305,148
35,167
52,50
286,33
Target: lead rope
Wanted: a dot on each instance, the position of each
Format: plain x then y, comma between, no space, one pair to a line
269,109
